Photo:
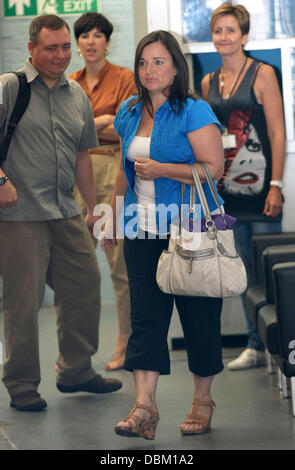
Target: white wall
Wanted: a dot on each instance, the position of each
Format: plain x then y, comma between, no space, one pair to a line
289,194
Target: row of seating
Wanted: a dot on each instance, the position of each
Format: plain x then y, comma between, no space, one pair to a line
271,303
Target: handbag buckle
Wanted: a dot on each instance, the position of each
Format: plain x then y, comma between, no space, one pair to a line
212,232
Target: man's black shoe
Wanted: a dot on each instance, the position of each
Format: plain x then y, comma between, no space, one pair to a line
96,385
28,401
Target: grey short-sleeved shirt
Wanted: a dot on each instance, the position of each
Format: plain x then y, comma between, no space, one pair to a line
41,161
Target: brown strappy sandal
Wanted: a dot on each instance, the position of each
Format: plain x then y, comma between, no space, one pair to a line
194,418
138,427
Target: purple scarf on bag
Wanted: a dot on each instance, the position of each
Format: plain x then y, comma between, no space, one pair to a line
218,221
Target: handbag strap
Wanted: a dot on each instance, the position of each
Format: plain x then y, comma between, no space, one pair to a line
192,198
199,188
212,231
203,200
214,192
204,204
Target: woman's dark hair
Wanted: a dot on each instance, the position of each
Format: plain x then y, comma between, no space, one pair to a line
178,92
91,20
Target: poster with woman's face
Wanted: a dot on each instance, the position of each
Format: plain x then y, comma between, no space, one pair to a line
246,173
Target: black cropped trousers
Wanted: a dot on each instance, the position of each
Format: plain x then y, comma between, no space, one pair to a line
151,312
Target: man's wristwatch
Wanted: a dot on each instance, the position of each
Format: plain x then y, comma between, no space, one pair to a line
3,180
278,184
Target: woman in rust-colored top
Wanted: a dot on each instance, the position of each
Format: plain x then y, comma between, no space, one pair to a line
106,86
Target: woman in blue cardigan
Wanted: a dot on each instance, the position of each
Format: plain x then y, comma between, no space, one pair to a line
163,130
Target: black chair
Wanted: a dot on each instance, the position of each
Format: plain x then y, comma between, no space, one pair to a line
255,296
276,319
266,316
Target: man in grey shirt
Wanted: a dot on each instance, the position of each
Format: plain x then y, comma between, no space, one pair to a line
43,236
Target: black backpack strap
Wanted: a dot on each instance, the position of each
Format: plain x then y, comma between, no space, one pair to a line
21,103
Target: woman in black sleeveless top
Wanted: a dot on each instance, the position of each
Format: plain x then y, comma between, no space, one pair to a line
245,96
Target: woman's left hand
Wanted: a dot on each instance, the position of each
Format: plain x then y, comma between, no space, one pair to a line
147,169
273,202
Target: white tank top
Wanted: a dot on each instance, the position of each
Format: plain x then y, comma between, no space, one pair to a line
144,190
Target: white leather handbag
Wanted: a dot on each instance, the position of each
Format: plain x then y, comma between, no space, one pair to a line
204,264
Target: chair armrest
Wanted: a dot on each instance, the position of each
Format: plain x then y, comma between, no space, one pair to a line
284,288
271,256
258,244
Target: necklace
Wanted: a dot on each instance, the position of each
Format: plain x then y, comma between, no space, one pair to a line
228,95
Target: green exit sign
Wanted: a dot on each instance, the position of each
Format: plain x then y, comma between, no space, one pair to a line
23,8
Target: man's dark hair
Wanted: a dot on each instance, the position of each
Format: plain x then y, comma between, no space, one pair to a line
92,20
52,22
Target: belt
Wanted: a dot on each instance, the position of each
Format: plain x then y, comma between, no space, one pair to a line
107,149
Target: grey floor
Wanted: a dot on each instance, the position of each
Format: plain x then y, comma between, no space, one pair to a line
250,413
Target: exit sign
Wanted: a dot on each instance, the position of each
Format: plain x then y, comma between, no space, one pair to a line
24,8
